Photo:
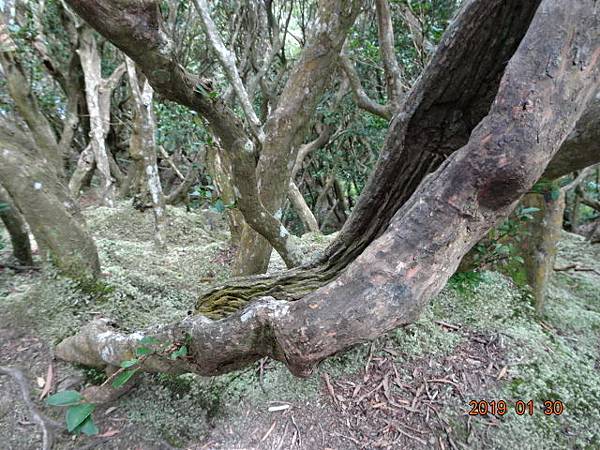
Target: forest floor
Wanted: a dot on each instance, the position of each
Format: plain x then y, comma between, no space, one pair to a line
479,339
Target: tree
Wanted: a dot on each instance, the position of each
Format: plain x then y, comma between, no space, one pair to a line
488,130
40,197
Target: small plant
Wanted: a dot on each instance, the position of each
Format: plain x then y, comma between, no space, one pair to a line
79,412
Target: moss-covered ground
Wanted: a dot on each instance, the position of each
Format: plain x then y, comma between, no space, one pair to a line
479,339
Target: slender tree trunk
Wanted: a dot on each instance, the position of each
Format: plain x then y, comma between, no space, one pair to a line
98,92
145,130
219,168
540,241
306,216
17,229
84,169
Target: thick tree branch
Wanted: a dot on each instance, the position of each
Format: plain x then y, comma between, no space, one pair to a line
25,100
392,280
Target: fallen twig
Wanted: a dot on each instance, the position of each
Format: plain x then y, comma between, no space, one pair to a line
577,268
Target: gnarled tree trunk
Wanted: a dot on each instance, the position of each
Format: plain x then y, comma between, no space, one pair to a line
538,100
35,191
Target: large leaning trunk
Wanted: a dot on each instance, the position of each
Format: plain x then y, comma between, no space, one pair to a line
543,91
36,192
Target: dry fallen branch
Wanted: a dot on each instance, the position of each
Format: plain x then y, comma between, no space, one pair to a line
577,268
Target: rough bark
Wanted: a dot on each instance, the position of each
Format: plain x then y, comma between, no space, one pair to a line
438,115
582,148
17,229
33,188
541,96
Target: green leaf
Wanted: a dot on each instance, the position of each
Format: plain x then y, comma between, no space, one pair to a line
123,378
179,353
143,351
554,195
77,414
129,363
149,340
64,398
87,427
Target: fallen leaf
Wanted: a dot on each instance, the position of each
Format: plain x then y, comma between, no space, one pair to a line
109,433
40,382
502,373
48,383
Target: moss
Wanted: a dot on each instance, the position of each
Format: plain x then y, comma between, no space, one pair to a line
142,286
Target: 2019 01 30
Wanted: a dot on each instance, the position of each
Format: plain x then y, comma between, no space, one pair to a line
518,407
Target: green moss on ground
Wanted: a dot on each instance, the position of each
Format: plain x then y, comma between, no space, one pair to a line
142,286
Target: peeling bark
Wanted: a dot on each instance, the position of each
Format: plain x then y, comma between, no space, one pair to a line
542,94
98,92
144,130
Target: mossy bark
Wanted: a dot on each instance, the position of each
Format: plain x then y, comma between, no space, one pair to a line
35,192
540,240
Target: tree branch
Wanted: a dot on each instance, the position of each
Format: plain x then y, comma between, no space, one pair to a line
227,60
362,99
393,279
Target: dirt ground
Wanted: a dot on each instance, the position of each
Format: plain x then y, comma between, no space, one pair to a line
478,340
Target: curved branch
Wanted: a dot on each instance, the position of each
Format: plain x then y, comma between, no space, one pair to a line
361,97
392,280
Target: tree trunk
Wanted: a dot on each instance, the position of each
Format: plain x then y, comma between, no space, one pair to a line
285,127
306,216
144,135
17,229
540,241
25,101
84,169
219,168
98,92
543,92
34,189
